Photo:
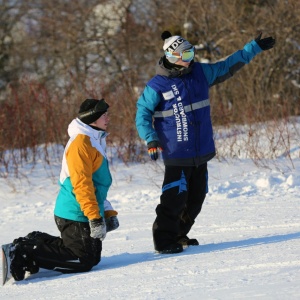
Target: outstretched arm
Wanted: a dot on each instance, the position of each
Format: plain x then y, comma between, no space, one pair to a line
222,70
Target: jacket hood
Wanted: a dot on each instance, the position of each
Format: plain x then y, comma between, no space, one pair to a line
98,137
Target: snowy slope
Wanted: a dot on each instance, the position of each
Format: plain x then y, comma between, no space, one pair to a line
249,231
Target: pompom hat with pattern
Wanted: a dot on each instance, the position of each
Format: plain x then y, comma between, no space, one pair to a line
174,43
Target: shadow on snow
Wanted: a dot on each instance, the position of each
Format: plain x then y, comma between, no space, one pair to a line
126,259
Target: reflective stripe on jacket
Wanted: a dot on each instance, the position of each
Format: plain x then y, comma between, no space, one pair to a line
180,107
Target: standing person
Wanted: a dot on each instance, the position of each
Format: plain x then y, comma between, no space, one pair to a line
173,115
81,204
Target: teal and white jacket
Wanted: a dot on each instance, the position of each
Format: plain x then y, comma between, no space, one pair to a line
85,177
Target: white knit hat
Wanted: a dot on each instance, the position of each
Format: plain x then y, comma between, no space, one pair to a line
174,43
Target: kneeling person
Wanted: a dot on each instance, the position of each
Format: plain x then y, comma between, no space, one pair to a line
82,213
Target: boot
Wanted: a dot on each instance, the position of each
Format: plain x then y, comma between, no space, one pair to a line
171,249
17,263
185,241
23,253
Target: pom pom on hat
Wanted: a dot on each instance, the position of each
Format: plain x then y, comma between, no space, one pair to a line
165,35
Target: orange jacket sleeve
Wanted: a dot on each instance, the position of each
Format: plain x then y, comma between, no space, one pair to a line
83,160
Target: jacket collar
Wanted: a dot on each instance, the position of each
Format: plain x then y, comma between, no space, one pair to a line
170,70
97,137
78,127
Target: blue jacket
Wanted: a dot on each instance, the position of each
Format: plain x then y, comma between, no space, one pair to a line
178,102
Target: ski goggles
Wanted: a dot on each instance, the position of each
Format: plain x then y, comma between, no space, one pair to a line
186,56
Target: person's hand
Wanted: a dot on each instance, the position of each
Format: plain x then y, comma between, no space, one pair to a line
266,43
112,223
98,229
153,148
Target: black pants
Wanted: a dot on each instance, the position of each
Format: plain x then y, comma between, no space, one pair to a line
183,193
75,251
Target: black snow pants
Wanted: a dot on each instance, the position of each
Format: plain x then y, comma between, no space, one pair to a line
183,193
75,251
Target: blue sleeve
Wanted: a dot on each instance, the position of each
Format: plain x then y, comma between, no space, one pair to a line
226,68
144,116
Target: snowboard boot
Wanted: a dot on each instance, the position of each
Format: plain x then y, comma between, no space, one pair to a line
31,267
17,263
112,223
171,249
185,241
25,246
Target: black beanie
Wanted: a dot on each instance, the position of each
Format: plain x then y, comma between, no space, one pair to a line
91,110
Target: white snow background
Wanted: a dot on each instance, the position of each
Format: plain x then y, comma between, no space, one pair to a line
249,234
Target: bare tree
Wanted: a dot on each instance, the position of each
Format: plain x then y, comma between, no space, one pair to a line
56,53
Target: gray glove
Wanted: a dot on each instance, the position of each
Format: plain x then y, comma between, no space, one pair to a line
98,229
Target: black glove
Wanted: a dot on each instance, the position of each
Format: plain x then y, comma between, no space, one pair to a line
266,43
153,148
98,229
112,223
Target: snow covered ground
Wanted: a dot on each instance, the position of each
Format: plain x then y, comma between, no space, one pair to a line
249,234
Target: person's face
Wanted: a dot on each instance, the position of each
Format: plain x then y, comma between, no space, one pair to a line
182,63
102,122
183,59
